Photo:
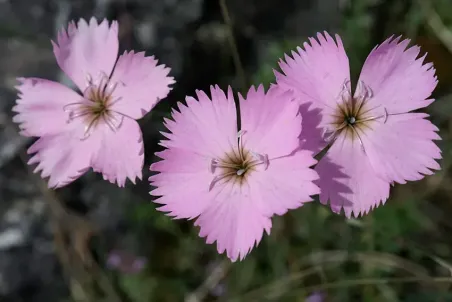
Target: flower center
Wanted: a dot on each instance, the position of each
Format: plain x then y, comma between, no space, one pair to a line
351,120
96,106
354,115
237,165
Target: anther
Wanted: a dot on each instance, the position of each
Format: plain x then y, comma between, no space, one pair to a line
89,80
213,165
263,158
241,133
386,116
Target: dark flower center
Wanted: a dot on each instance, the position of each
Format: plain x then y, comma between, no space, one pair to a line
236,165
353,115
351,120
96,107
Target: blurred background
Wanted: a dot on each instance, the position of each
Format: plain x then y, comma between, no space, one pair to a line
92,242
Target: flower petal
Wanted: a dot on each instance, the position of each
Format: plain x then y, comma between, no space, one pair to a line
40,106
402,148
232,222
141,83
287,184
87,50
121,155
63,157
183,183
347,179
206,127
399,81
317,73
271,121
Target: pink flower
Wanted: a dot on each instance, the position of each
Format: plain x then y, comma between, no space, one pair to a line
375,139
234,181
96,128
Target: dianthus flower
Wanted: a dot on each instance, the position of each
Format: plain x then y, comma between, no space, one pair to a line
234,181
375,140
97,127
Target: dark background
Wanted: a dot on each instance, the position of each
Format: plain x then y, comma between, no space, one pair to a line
50,253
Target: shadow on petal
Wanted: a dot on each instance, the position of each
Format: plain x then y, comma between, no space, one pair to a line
311,132
332,182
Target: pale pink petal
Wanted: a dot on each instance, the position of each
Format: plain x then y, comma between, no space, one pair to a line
232,222
40,106
63,157
271,121
312,130
402,148
121,155
399,82
316,73
87,50
205,127
183,175
287,184
141,83
348,181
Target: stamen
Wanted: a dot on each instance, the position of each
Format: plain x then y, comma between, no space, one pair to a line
111,103
96,104
73,115
213,165
373,118
363,93
359,138
110,88
240,133
103,83
90,93
89,80
110,120
224,165
88,129
75,110
262,158
369,93
346,96
67,109
217,178
240,144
